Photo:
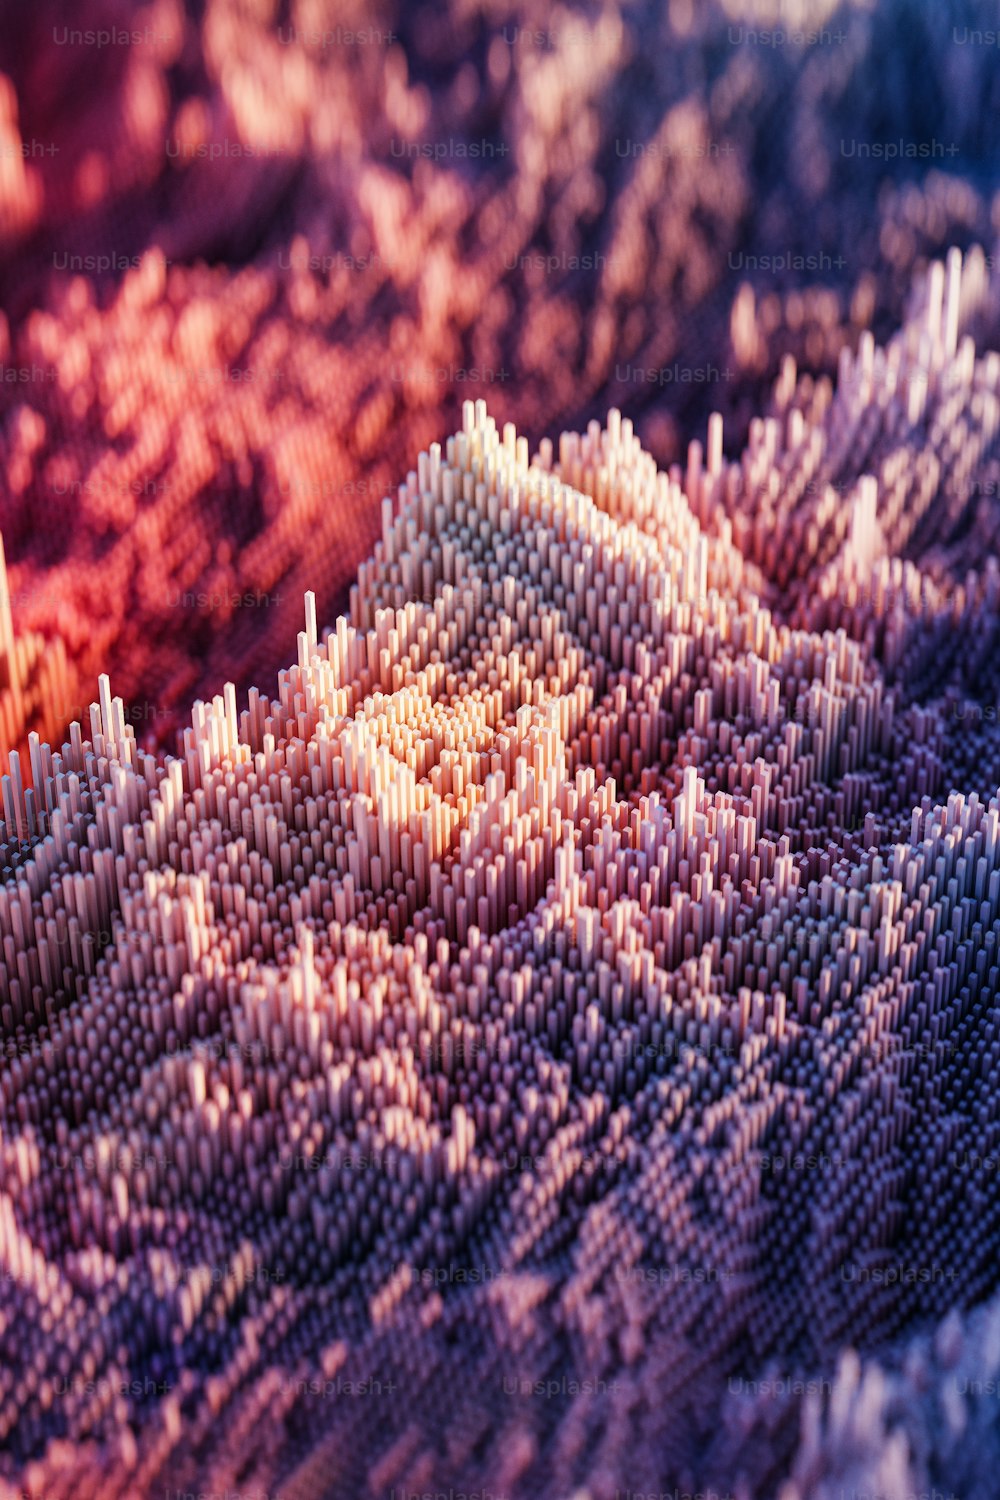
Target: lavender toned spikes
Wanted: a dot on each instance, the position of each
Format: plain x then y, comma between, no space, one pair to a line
252,269
533,1051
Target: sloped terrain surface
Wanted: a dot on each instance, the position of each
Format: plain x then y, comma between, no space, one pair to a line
536,1047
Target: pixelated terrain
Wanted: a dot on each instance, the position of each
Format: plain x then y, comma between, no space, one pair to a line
499,823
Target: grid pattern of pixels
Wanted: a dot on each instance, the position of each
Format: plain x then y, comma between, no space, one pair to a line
533,1050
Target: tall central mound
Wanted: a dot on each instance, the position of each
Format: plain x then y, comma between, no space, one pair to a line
527,1051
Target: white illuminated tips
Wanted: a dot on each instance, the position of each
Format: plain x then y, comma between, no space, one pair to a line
560,963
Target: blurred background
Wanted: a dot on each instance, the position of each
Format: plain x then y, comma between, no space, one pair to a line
255,254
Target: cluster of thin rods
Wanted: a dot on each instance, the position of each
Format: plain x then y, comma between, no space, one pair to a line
530,1048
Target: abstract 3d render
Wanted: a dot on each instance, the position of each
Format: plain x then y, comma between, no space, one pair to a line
500,788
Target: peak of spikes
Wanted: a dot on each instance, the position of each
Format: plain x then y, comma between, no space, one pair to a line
458,1020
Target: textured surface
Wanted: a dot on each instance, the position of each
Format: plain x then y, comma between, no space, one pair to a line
533,1047
208,357
547,1044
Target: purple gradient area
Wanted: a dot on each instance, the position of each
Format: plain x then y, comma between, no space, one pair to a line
500,887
